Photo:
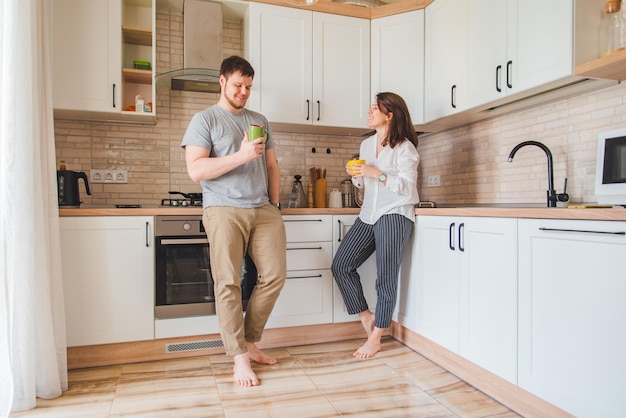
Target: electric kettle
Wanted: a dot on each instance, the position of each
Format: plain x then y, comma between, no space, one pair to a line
67,186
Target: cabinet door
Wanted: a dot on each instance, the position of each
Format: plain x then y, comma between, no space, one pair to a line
280,50
572,337
367,272
445,88
487,248
397,46
487,51
86,48
306,299
341,70
108,279
540,42
439,280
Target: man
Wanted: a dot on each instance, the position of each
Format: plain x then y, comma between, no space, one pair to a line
240,191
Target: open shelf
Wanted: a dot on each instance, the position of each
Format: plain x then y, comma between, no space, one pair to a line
611,67
137,36
137,76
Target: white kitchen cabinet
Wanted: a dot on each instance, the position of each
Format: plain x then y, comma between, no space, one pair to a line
310,68
467,288
108,279
572,337
516,45
306,298
367,272
397,62
94,44
445,73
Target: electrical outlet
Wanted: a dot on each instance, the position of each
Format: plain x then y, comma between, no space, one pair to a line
96,176
434,181
121,176
109,176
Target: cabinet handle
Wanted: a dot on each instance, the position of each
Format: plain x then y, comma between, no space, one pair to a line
147,234
308,109
461,236
302,220
451,236
305,248
499,78
304,277
319,110
583,231
453,96
340,230
509,74
113,95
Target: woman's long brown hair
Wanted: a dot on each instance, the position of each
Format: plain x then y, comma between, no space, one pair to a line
400,127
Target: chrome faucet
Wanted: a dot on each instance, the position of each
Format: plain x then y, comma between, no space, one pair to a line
552,195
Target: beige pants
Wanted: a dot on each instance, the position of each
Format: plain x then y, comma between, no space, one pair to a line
231,233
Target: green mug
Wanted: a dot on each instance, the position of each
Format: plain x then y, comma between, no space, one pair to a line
256,131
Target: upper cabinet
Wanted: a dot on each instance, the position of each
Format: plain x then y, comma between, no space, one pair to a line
490,57
515,45
311,68
101,50
445,58
397,46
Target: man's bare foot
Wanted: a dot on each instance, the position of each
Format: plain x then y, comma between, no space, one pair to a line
254,353
244,376
368,318
372,345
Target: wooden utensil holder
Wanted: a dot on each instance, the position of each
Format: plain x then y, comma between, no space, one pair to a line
320,193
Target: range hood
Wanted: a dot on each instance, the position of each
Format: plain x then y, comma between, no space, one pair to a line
202,50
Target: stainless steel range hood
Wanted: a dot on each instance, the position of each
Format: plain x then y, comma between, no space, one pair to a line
202,50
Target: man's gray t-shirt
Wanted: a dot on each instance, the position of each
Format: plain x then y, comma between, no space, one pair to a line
221,132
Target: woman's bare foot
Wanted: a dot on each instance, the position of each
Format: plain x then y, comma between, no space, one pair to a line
254,353
244,376
368,318
371,346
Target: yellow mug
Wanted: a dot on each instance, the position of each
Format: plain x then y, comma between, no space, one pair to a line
256,131
351,163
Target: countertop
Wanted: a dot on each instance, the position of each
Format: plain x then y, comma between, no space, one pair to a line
512,211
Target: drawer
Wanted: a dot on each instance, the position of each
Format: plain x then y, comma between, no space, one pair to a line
309,255
308,228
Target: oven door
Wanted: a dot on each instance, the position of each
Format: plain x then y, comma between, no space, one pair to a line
184,285
184,282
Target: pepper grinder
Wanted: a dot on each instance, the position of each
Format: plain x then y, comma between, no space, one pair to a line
297,199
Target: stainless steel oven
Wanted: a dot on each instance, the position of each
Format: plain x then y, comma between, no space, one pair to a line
183,277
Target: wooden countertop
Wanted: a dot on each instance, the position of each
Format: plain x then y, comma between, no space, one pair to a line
596,214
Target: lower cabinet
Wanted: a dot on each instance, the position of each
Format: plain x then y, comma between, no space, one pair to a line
341,225
467,288
108,278
306,298
572,338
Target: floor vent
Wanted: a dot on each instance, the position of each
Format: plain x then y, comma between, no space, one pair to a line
193,346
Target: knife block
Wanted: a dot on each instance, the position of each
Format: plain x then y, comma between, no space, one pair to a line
320,193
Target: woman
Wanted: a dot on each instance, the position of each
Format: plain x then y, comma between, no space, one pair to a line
387,215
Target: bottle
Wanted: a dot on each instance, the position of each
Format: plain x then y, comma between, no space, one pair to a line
62,166
297,199
611,37
139,103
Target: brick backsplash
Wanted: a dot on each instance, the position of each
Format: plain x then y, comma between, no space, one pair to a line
471,160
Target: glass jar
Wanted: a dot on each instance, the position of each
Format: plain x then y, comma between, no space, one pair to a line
612,28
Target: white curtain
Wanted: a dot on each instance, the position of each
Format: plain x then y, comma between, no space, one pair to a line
33,359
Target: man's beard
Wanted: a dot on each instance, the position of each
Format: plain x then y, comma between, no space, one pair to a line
234,104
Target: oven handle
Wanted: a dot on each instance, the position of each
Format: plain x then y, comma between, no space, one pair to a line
184,241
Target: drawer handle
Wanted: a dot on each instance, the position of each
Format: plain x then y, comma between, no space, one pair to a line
451,236
305,248
583,231
304,277
302,220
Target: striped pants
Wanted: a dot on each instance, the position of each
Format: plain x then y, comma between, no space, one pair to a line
389,237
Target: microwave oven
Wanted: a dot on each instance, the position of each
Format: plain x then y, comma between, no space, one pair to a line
611,168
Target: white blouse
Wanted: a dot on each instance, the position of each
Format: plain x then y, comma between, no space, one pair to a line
399,194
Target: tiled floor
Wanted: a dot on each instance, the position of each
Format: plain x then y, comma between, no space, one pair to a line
321,380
